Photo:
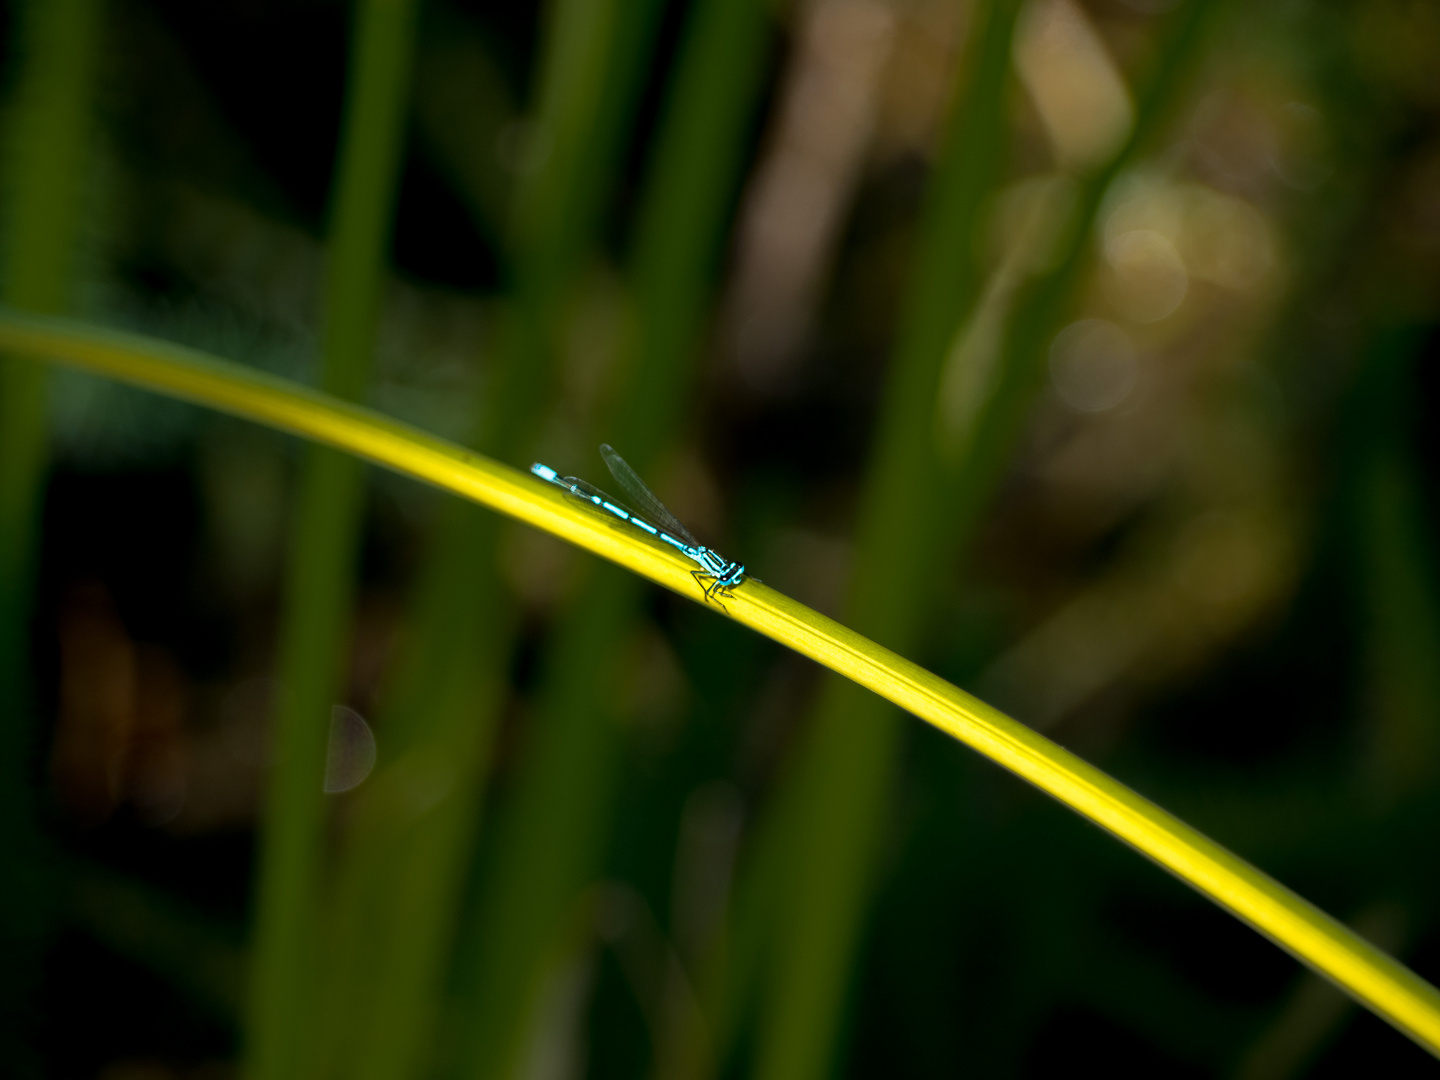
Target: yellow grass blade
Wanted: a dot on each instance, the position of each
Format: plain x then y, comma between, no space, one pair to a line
1374,979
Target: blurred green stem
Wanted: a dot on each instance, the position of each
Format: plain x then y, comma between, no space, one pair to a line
845,774
551,832
834,816
402,866
52,128
323,552
50,135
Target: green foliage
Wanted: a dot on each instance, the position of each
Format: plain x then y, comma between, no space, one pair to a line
285,975
607,835
50,134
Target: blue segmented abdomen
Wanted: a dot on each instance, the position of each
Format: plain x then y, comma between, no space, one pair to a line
712,563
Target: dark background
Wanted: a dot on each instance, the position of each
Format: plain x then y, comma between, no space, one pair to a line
1221,588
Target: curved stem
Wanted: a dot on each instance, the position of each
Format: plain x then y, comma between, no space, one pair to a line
1377,981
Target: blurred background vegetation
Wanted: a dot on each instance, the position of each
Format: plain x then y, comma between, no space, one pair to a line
1081,350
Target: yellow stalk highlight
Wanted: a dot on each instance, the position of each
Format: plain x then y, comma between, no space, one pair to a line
1374,979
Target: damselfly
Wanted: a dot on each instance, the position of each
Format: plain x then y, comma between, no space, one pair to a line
716,576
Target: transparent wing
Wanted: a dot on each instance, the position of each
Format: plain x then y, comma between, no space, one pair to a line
594,492
650,507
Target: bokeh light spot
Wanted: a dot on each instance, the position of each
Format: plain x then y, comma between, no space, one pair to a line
352,751
1148,279
1093,365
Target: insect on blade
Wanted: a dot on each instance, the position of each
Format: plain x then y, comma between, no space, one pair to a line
716,576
